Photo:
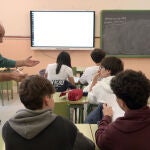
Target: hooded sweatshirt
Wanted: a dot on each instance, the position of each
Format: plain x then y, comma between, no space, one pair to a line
41,129
131,132
102,93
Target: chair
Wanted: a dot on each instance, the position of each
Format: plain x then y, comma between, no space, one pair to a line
74,69
62,109
42,72
6,86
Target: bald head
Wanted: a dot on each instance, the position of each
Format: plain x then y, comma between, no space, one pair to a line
2,33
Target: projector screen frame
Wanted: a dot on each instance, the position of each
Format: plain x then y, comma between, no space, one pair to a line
69,47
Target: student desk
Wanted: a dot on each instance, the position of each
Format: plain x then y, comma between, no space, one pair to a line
89,131
61,105
86,130
93,127
2,145
78,105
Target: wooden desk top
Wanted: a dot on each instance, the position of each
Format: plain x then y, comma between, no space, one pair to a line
58,99
94,127
89,131
2,145
85,129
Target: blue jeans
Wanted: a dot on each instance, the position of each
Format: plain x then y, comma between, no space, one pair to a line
95,115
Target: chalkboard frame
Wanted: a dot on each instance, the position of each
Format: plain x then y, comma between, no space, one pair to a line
101,33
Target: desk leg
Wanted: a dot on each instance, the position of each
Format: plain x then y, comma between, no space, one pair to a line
81,116
75,110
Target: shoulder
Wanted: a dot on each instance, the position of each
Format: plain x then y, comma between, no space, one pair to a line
52,65
65,123
92,68
66,67
6,129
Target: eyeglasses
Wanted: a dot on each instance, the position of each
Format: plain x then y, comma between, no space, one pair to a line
101,67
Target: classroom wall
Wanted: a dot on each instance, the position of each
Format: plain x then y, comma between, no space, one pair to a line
14,15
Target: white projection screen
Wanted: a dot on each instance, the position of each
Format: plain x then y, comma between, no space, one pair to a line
62,29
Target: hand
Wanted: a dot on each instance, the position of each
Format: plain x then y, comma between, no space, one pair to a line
17,76
107,110
94,80
96,76
30,63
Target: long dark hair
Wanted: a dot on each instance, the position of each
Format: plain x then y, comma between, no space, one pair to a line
63,59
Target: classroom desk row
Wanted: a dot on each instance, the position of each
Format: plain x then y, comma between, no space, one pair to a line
2,145
63,107
89,131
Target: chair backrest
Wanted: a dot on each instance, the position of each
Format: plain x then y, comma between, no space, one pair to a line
62,85
42,72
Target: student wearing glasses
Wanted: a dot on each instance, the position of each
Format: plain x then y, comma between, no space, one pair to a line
100,91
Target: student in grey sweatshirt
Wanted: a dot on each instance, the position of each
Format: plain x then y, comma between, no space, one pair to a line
36,127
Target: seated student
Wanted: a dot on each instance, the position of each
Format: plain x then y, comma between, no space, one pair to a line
36,127
132,131
97,55
100,91
60,71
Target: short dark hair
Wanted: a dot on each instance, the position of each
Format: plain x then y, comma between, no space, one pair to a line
114,64
63,59
97,55
33,89
132,87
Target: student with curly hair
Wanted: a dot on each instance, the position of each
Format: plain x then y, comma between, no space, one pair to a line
132,131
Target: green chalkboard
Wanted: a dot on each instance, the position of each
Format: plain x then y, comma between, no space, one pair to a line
126,32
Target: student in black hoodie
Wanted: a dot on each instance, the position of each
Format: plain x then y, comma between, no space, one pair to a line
36,127
131,132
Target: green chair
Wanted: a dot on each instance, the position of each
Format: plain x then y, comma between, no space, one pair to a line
6,86
2,144
62,109
74,69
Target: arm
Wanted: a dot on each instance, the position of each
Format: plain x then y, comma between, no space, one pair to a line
83,78
71,80
91,98
99,75
27,62
94,81
12,76
102,133
9,63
